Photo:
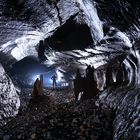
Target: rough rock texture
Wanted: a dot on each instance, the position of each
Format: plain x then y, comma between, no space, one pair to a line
24,23
9,99
125,100
122,14
113,24
34,20
126,103
62,119
37,20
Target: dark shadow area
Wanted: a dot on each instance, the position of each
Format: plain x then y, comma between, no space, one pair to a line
41,51
120,14
52,1
70,36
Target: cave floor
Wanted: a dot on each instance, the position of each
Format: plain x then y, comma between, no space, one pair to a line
55,116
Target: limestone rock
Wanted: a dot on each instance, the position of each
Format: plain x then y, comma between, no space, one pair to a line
9,99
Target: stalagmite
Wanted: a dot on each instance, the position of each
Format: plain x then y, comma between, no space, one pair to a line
38,87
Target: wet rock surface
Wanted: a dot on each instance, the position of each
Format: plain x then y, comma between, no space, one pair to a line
45,119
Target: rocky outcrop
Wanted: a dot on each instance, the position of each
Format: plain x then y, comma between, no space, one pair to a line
112,25
126,103
123,98
33,21
36,20
38,87
121,14
85,87
9,99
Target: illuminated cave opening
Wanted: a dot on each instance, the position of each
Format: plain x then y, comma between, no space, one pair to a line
70,36
24,72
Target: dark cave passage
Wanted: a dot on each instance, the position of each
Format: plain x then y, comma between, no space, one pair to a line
70,36
46,91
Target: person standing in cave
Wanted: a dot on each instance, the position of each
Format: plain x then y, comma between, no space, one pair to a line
54,81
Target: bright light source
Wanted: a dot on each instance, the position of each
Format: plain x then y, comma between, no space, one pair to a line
35,77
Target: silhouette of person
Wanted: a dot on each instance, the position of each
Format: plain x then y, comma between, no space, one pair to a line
54,81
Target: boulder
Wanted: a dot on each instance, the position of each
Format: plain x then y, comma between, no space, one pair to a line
9,99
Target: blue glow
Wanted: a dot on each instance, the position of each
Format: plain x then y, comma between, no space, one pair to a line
62,80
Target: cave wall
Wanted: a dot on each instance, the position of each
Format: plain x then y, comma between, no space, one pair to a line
9,99
126,104
24,23
113,25
122,14
31,21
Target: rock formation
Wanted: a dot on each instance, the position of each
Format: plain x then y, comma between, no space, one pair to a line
86,87
9,99
38,87
112,26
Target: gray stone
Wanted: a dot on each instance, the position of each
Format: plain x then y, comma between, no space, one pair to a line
9,99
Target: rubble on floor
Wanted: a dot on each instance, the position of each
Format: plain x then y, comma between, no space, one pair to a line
43,118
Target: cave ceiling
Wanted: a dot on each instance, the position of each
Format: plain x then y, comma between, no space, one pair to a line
79,32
